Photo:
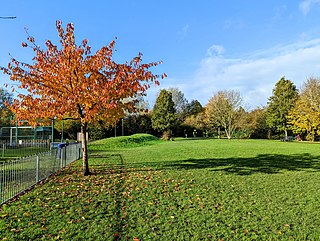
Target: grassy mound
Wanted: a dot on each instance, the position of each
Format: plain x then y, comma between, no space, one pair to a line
125,141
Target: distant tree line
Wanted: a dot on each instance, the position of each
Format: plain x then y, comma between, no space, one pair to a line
289,112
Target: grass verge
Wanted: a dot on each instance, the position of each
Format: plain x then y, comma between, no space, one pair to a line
181,190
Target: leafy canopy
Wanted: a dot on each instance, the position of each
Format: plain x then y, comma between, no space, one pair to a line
305,115
223,110
68,80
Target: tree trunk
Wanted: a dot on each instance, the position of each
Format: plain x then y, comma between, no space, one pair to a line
228,135
286,133
228,131
85,162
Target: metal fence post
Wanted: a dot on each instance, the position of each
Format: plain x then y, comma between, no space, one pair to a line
61,157
37,169
1,182
65,156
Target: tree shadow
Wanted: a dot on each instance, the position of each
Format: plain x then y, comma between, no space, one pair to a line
264,163
114,164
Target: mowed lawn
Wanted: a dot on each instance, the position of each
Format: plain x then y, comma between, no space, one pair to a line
181,190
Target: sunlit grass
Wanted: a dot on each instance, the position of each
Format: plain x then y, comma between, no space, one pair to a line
180,190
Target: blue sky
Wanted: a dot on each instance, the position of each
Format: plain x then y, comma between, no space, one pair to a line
206,46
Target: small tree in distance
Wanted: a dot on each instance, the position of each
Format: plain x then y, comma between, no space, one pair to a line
223,109
67,80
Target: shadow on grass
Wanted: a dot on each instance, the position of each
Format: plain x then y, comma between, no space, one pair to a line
117,164
264,163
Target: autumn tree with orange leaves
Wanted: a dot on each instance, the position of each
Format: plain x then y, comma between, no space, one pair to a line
68,81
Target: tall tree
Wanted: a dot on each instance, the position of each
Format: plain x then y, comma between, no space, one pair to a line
223,109
194,108
180,103
280,103
305,115
6,99
164,115
67,80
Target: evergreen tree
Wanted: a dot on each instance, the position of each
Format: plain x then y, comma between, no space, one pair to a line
280,103
164,117
194,108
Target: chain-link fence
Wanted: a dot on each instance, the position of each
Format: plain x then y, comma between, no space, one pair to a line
18,175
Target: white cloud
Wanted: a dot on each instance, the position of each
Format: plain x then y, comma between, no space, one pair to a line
255,74
306,5
215,50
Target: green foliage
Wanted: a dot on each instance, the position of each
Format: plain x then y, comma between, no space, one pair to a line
305,115
163,115
138,123
280,103
194,108
97,132
195,122
70,128
252,124
261,190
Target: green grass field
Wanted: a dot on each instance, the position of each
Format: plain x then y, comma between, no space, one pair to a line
181,190
16,153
